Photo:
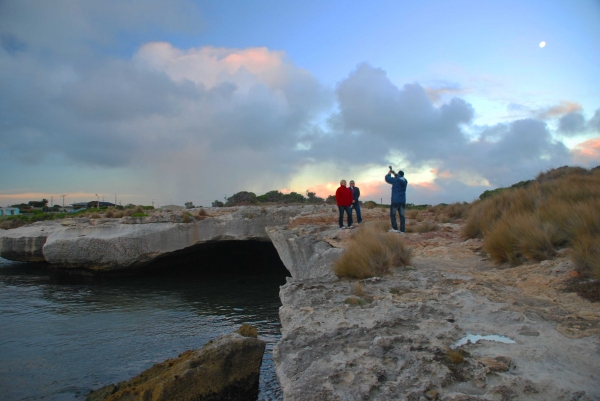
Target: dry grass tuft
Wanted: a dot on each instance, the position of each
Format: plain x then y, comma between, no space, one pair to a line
138,209
411,213
586,255
372,252
424,227
560,209
358,290
454,357
456,210
109,214
95,216
185,217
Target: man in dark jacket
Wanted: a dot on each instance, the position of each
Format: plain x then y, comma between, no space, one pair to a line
399,184
355,202
343,198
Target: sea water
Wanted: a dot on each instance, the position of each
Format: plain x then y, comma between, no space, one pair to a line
62,336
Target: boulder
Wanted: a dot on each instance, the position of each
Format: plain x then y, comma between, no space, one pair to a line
227,368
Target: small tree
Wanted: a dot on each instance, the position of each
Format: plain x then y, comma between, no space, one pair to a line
218,203
243,197
189,205
41,203
313,198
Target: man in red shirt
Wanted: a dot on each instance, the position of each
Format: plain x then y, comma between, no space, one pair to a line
343,198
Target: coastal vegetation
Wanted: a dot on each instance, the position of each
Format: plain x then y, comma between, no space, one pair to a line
559,209
30,215
372,251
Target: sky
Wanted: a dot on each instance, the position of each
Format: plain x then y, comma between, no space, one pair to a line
167,102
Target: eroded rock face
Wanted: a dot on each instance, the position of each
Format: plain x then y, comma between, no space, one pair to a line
227,368
25,243
396,340
109,245
305,251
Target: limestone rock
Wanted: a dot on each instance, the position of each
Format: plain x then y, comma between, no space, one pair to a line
110,245
227,368
25,243
498,364
305,251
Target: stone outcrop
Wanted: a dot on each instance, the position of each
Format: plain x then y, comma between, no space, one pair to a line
305,251
395,338
112,245
225,369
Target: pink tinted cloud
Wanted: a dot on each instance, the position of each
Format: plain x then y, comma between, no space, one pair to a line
210,65
588,152
559,110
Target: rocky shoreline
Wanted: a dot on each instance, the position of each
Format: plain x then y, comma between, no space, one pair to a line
396,338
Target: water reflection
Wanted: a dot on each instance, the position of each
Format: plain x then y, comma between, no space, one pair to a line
63,336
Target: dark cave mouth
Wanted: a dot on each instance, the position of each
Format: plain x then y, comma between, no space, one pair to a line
222,258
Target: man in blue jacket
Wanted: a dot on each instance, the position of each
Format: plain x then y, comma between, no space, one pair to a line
399,184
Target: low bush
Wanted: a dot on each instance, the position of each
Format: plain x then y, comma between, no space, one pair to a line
202,212
186,217
411,213
372,252
425,226
369,205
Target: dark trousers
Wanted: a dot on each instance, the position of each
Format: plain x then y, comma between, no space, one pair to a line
356,206
348,210
397,207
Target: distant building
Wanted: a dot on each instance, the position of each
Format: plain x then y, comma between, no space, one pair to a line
9,211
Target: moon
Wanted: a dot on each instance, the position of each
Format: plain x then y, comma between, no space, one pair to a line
542,44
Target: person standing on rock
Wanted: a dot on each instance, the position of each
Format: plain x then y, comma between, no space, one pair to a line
355,202
398,203
343,198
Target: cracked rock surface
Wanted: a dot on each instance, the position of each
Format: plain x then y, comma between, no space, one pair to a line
397,340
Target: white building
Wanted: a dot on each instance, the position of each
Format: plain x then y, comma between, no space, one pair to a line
9,211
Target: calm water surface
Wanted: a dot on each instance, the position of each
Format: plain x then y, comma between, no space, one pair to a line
61,337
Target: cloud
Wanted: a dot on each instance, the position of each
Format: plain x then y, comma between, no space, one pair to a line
588,153
82,83
571,123
374,111
559,110
436,93
594,122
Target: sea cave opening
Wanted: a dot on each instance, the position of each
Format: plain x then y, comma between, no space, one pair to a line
222,258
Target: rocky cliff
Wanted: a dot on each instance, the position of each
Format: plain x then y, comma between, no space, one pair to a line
112,245
452,326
